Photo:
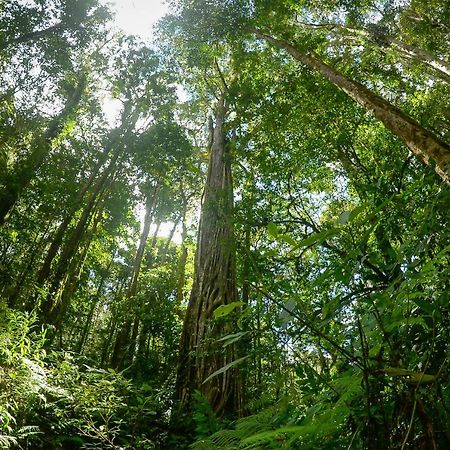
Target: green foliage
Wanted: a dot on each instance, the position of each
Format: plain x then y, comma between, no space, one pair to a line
204,418
342,235
56,399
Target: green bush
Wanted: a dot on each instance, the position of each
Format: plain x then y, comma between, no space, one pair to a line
57,400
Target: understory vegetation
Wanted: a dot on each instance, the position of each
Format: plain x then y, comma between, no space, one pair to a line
236,236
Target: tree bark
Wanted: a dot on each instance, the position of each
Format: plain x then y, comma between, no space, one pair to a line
424,144
214,285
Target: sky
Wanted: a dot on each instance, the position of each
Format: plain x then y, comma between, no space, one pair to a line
138,16
134,17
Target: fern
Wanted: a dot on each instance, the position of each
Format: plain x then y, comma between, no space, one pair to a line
7,441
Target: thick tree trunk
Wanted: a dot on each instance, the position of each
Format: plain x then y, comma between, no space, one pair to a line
27,169
214,285
424,144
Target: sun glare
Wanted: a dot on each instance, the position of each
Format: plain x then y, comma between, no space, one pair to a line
138,16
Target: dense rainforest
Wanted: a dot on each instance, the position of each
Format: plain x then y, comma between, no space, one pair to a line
233,236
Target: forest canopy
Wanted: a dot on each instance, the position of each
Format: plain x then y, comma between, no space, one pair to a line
234,235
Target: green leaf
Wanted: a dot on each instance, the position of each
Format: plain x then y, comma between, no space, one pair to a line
317,238
230,338
288,239
355,212
224,310
225,368
344,217
423,304
272,229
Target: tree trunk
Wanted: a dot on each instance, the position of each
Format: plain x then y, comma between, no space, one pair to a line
166,247
427,147
409,51
121,346
74,241
184,253
385,41
35,35
132,345
95,301
28,270
74,274
214,285
105,356
27,169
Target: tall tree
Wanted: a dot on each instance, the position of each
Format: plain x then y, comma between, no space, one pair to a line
14,183
214,285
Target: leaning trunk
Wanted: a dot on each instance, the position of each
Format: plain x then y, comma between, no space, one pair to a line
42,147
73,243
385,42
412,52
426,146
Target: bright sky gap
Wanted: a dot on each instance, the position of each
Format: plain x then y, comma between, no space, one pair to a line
138,17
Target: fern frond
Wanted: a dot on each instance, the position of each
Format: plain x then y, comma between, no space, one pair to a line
7,441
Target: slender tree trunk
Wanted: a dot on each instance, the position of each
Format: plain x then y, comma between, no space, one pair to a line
58,237
409,51
386,42
424,144
214,285
118,291
74,241
74,275
27,169
95,301
184,253
132,345
121,347
165,250
31,258
149,212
